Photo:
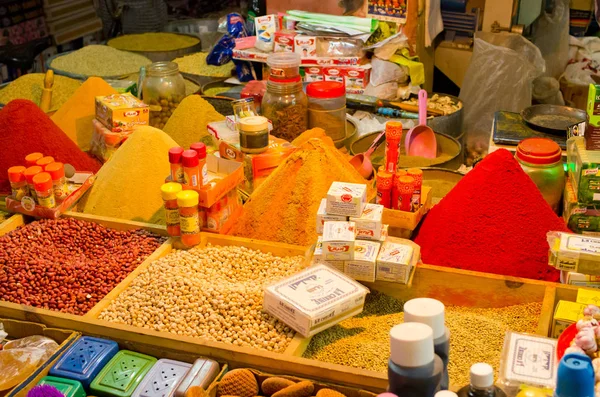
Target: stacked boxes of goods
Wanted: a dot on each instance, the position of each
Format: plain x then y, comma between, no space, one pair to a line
353,239
97,366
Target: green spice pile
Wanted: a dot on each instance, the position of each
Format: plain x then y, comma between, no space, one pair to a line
364,342
101,61
30,86
196,64
153,42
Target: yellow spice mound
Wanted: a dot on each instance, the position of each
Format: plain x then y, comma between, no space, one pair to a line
30,86
128,186
284,208
314,133
196,64
75,116
188,122
153,42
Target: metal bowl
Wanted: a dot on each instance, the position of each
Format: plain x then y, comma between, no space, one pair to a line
160,56
441,180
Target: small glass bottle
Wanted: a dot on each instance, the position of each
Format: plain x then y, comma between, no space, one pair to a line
200,148
191,168
189,221
32,158
29,173
254,134
176,166
169,193
59,182
286,105
18,183
481,383
44,190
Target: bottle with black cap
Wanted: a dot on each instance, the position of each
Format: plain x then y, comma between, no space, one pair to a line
482,383
414,370
431,312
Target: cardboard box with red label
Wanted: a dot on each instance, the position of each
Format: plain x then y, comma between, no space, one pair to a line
356,78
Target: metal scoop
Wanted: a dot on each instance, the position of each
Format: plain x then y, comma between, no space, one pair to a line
420,140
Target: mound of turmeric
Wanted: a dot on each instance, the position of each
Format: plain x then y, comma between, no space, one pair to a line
284,207
318,133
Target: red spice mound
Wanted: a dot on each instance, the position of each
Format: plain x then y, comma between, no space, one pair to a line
495,220
25,129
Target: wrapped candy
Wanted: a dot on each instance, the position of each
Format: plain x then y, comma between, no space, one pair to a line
586,339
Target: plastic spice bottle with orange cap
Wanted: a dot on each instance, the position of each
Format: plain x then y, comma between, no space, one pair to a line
405,188
32,158
18,183
29,173
384,181
417,174
44,190
393,136
191,168
200,148
541,159
189,222
176,165
169,193
59,182
395,192
44,161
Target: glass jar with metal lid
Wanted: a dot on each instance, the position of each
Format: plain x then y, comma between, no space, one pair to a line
286,105
541,159
254,134
163,89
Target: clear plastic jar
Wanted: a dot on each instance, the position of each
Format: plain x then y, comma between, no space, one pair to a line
242,108
327,108
163,89
541,159
286,105
284,65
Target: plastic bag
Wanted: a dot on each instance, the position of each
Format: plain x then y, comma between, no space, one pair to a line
547,90
551,36
501,72
387,91
384,72
19,358
233,26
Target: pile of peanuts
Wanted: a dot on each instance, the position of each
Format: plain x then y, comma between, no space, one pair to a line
67,264
213,292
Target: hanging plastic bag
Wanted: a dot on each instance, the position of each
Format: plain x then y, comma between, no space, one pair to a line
387,91
547,90
233,28
551,36
501,72
384,72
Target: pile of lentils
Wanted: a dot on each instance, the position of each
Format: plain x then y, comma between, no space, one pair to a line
67,264
212,292
476,335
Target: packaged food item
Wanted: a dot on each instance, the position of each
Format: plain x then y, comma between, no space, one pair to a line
189,221
314,299
584,170
32,158
384,182
284,41
357,78
369,225
266,26
313,73
575,253
347,199
59,182
333,73
254,134
394,262
581,280
565,314
44,161
363,266
592,132
323,216
121,112
580,218
283,66
305,46
44,190
338,240
163,89
318,257
18,183
286,105
169,193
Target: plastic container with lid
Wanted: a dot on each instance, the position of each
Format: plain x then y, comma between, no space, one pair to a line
189,222
286,105
59,181
18,183
284,65
242,108
44,161
163,89
200,148
541,159
254,134
44,190
327,108
32,158
575,376
481,378
169,192
29,173
176,165
191,168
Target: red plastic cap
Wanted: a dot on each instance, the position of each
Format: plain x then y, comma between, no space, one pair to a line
42,181
326,89
44,161
31,172
16,174
296,79
189,158
56,170
538,151
200,148
32,158
175,155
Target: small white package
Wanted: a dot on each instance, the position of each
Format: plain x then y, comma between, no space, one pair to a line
323,216
266,26
346,199
368,225
315,299
362,267
318,257
395,260
338,241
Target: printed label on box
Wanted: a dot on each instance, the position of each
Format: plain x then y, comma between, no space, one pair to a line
306,46
368,225
394,262
323,216
346,199
363,266
338,240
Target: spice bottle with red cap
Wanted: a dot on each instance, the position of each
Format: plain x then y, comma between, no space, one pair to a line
541,159
200,148
327,108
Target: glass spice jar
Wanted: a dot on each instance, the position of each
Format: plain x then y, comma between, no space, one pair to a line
163,89
254,134
44,190
18,183
59,181
286,105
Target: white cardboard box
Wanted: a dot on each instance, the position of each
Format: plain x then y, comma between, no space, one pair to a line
346,199
323,216
318,257
338,241
368,225
314,299
395,261
363,266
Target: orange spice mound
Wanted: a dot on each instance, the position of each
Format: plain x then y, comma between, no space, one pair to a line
284,208
318,133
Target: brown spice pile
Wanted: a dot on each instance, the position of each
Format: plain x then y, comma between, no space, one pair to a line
314,133
476,335
284,207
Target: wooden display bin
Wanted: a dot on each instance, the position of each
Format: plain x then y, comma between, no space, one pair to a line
21,329
11,224
403,223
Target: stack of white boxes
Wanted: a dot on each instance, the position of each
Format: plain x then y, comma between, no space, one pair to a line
352,236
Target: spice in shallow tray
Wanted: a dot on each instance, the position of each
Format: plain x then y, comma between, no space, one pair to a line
364,341
30,86
101,61
68,264
210,292
196,64
153,42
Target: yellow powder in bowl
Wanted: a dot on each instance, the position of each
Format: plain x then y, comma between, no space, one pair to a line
128,185
188,122
153,42
30,86
196,64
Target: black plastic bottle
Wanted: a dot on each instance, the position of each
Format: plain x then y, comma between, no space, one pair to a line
432,312
414,370
482,383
